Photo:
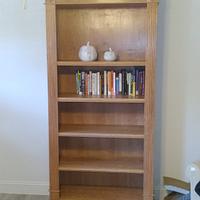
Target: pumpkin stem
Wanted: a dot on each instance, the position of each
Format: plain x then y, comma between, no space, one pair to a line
88,43
110,49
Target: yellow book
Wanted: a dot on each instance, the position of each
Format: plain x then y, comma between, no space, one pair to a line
133,89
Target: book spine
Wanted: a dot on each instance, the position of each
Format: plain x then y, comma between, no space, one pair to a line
143,83
113,83
124,83
82,92
133,89
98,83
137,82
117,85
90,83
86,84
140,83
102,83
93,84
109,83
133,84
105,83
79,83
120,82
129,83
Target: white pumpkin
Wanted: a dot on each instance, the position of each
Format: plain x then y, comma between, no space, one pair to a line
110,55
87,53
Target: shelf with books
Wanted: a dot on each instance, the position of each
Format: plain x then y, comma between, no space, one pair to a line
71,192
120,165
101,64
125,85
101,131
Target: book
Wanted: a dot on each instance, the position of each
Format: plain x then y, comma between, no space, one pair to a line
98,92
120,82
113,83
82,90
105,83
109,83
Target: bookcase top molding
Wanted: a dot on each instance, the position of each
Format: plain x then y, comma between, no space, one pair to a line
96,2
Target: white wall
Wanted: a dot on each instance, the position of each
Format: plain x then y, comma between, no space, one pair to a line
23,93
178,97
23,98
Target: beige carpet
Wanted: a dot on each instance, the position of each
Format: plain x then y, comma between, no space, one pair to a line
22,197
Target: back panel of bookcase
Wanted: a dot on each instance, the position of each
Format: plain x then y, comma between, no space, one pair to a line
123,29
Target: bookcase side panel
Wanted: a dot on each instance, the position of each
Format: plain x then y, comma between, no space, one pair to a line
150,99
52,98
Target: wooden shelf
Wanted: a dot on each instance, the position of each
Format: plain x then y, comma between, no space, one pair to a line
101,131
102,64
125,165
99,193
97,99
102,2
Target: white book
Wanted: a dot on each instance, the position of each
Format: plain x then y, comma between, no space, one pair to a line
120,82
105,82
93,84
98,83
129,83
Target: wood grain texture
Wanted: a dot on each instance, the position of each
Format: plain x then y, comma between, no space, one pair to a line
99,193
150,100
97,2
101,131
100,149
103,28
52,99
101,114
101,179
63,97
125,165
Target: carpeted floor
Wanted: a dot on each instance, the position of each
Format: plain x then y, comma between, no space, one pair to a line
22,197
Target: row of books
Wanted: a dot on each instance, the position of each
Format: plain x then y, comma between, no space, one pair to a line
111,83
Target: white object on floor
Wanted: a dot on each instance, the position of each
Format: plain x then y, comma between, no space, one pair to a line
193,173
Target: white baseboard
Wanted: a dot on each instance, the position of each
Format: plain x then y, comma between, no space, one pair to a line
24,187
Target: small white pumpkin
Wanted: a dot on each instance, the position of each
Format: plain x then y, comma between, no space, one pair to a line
110,55
87,53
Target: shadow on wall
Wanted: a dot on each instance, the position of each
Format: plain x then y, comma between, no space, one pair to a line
158,99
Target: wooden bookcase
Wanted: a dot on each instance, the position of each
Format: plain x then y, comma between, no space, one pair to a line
100,147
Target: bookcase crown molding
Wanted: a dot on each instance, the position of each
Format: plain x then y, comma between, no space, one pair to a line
98,2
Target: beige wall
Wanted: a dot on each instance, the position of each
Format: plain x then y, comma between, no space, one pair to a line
23,98
178,87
